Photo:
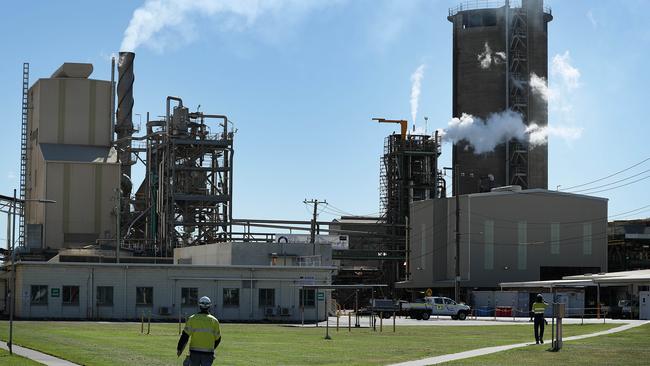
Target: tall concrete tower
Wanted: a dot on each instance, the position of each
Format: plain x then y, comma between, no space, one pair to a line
495,52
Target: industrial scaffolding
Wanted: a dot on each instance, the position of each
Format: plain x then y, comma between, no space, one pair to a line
409,172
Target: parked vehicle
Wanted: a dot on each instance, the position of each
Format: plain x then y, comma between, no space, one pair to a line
421,309
435,305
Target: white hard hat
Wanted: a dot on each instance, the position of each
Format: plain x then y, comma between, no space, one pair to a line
204,302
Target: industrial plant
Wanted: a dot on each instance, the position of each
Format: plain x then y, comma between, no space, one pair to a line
94,243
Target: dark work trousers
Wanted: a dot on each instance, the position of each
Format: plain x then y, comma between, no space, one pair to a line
539,327
199,359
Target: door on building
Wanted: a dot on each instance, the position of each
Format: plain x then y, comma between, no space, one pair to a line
644,305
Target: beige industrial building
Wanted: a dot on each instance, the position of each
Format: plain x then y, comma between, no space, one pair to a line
506,236
70,160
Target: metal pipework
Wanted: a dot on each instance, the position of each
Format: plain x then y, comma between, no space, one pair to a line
168,117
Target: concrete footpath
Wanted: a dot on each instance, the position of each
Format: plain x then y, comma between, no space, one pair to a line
37,356
488,350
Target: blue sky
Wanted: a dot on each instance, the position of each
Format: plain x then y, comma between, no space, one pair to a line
303,79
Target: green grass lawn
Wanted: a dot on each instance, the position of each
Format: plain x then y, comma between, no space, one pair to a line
631,347
13,360
92,343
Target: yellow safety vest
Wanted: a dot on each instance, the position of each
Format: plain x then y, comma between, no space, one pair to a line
539,307
204,331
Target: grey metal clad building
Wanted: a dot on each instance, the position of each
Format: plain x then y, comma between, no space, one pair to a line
506,236
516,38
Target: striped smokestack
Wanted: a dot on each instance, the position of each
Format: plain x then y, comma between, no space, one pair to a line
124,126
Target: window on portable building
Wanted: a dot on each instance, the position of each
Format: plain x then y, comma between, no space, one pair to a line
267,297
104,295
70,295
230,297
144,295
189,296
39,295
308,298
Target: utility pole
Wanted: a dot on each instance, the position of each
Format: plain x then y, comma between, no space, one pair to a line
312,238
12,303
457,279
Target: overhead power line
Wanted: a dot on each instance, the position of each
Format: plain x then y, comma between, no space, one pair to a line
612,183
622,185
609,176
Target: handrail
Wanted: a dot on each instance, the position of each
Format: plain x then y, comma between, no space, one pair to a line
488,4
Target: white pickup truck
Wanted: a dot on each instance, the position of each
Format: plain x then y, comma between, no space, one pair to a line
434,305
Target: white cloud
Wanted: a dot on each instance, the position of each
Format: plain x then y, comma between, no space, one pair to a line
387,30
158,23
559,98
562,67
416,83
592,20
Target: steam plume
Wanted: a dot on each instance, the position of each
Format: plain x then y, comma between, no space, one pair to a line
487,57
485,135
539,86
154,18
416,81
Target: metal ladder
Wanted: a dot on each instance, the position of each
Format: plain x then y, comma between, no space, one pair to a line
518,72
23,154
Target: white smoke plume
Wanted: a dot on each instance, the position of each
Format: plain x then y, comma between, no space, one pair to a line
487,57
538,135
155,20
416,83
485,135
539,86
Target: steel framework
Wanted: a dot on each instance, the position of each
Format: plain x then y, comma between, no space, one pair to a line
409,172
186,197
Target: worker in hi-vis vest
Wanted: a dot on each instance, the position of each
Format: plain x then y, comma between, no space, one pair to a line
202,330
538,309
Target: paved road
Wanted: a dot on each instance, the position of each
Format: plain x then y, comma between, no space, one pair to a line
37,356
446,321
